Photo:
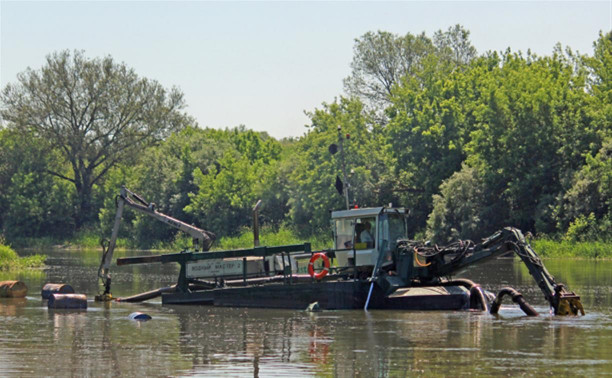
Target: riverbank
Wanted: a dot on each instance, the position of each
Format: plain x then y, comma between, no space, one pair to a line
544,247
547,248
10,261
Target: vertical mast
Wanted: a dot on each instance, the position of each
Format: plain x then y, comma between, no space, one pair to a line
345,187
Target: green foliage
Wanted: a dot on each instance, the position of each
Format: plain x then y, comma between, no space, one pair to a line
459,209
585,228
428,127
226,189
468,143
313,169
382,59
552,249
519,121
9,260
32,202
588,203
93,113
532,114
270,236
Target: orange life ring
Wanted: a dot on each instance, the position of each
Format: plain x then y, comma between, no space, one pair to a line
325,270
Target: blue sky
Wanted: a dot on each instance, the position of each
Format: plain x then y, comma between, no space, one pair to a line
262,64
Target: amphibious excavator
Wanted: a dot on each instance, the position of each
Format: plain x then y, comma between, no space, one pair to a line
372,265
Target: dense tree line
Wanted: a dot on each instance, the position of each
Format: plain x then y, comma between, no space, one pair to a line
469,143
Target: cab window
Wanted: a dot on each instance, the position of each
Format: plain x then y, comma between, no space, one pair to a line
360,232
344,233
365,231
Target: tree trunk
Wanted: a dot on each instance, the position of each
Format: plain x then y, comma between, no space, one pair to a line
84,208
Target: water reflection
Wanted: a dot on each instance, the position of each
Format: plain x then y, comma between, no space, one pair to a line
192,340
12,307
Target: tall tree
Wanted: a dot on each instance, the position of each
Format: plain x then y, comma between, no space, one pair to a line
382,59
32,203
454,43
95,112
225,193
379,61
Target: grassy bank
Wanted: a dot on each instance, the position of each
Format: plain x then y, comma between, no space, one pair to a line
269,236
10,261
557,249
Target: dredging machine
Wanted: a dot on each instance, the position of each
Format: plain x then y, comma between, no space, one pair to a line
373,265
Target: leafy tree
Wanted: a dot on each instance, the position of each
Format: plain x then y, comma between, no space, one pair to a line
584,207
162,174
379,61
243,173
382,59
32,203
430,119
454,45
529,131
589,200
94,112
459,211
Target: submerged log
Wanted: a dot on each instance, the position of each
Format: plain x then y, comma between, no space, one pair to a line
67,301
52,288
13,289
148,295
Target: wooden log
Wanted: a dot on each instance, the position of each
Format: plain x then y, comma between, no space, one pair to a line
52,288
13,289
67,301
148,295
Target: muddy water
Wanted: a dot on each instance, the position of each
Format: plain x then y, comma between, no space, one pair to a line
190,340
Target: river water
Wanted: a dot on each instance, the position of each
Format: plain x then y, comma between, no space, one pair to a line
200,340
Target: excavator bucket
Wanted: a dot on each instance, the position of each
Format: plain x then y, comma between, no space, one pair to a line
569,304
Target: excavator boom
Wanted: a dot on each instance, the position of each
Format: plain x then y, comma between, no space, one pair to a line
201,238
424,263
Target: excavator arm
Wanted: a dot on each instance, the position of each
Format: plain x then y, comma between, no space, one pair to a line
429,263
201,238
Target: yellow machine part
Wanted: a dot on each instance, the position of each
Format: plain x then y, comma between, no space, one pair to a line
570,306
104,298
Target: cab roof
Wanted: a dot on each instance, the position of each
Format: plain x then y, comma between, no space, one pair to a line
366,212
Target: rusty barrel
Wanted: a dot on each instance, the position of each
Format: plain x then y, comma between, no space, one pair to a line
67,301
13,289
52,288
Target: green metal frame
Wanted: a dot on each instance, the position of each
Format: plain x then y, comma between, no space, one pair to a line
184,257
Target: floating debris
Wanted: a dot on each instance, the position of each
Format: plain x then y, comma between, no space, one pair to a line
13,289
313,307
140,316
67,301
52,288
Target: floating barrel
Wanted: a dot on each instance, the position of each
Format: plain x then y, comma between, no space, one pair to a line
52,288
67,301
13,289
140,316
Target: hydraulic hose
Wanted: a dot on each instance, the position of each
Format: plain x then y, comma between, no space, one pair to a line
516,298
478,300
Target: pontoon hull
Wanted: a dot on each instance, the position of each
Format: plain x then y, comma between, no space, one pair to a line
331,295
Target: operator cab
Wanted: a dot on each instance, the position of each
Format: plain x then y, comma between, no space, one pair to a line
363,234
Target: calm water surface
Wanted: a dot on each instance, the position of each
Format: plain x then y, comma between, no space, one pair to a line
197,340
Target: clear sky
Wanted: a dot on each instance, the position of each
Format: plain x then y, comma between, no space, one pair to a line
262,64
